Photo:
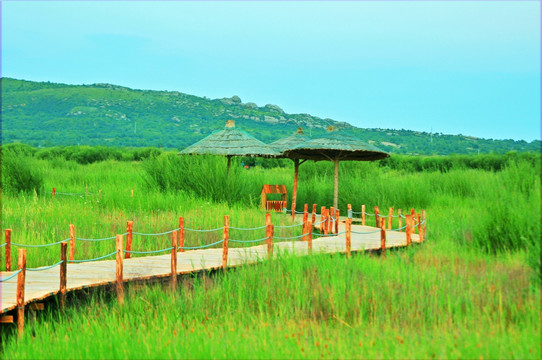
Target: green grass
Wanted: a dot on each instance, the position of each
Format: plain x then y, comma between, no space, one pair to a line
472,290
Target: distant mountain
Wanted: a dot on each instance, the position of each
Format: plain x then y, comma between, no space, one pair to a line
47,114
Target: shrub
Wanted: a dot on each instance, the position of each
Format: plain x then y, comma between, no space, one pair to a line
19,174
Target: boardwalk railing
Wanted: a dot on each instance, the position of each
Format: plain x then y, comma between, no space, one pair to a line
327,226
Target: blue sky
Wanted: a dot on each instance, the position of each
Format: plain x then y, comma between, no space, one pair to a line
469,68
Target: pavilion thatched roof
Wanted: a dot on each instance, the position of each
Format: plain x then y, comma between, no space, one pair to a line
291,141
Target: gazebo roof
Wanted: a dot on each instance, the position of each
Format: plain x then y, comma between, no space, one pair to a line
291,141
336,146
231,142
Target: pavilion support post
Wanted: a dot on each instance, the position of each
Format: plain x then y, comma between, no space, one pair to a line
383,236
294,192
72,241
225,236
313,219
390,218
63,272
20,291
377,217
8,249
129,229
348,236
336,185
363,215
400,219
119,271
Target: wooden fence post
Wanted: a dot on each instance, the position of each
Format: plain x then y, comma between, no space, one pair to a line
119,279
305,220
400,225
72,242
337,214
330,222
132,192
326,221
349,211
322,218
424,225
363,215
420,233
8,249
269,235
407,230
412,218
309,239
226,236
313,213
129,229
54,192
174,260
20,291
181,234
383,236
100,193
63,269
377,217
348,236
390,218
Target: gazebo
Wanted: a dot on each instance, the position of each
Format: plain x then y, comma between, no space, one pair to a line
336,146
230,142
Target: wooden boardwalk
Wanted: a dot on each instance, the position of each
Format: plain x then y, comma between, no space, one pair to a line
40,285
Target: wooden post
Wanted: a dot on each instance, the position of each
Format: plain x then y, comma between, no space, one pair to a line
419,227
337,214
400,225
20,291
377,217
383,236
424,225
390,218
174,260
322,218
309,239
181,234
119,280
54,192
330,223
129,229
100,193
63,270
269,235
348,236
132,192
349,211
412,218
8,249
313,213
326,221
363,215
407,230
72,242
305,220
226,236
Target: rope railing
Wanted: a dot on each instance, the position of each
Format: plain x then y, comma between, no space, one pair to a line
290,237
248,241
203,230
200,247
149,252
95,259
46,267
11,276
157,234
248,229
103,239
287,226
39,245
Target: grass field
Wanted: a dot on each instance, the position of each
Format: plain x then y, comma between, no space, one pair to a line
471,291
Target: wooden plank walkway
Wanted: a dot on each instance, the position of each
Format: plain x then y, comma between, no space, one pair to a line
43,284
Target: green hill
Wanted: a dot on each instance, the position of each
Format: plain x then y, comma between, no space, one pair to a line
47,114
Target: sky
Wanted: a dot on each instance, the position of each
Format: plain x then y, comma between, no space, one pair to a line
452,67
